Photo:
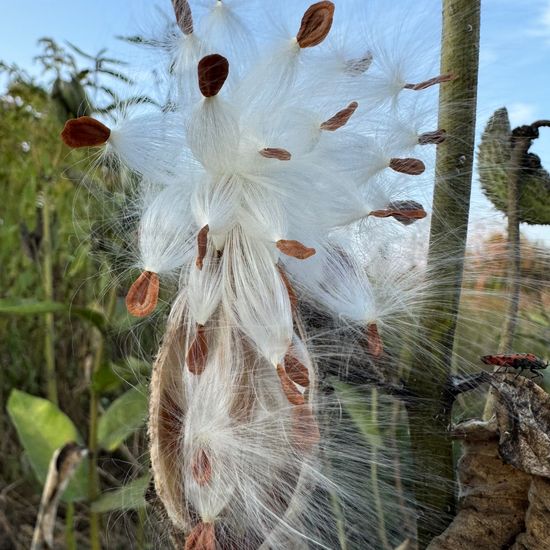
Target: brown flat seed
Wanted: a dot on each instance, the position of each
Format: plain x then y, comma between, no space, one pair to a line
201,468
316,24
411,167
202,537
431,82
289,288
213,71
296,371
198,352
341,118
305,430
295,249
291,392
85,132
356,67
432,138
142,298
202,242
274,153
184,17
374,342
405,212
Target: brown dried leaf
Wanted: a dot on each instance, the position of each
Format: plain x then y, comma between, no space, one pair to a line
85,132
295,249
411,167
202,537
341,118
184,17
316,24
213,71
492,497
142,298
290,390
523,417
305,430
274,153
432,138
202,243
197,355
201,468
431,82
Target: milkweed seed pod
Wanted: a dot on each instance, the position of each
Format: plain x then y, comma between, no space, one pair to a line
274,190
494,160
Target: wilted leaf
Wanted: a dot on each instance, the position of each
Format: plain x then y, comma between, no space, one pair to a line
129,497
125,415
42,429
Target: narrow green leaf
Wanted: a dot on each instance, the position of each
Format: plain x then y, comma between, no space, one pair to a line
42,428
354,404
125,415
129,497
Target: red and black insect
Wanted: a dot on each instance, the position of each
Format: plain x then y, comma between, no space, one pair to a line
520,361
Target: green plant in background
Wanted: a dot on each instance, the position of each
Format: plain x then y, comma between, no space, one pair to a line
77,330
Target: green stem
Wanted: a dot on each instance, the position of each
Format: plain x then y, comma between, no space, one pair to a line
49,328
430,411
374,476
70,539
93,447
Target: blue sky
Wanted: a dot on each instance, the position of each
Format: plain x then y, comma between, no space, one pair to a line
515,53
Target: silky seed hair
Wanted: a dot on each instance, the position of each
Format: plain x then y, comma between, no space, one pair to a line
273,190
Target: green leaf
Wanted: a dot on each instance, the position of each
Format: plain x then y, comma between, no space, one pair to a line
105,379
42,428
129,497
125,415
34,307
354,404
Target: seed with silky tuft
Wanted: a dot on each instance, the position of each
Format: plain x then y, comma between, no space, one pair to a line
316,24
197,355
292,393
213,71
274,153
202,244
405,212
340,119
409,166
201,468
429,83
142,298
296,371
374,342
202,537
85,132
184,17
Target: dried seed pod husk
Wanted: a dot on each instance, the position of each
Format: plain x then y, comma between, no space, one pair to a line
305,429
289,288
275,153
316,24
290,390
295,249
142,298
409,166
375,345
432,138
429,83
184,17
405,212
296,371
197,355
340,119
213,71
85,131
202,243
201,468
202,537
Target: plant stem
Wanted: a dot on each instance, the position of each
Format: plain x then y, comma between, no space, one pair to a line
49,328
70,540
93,447
430,410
